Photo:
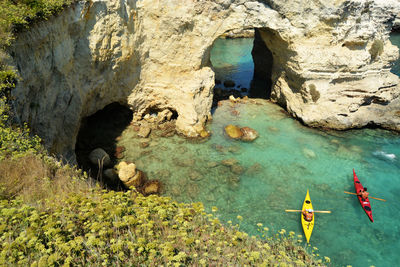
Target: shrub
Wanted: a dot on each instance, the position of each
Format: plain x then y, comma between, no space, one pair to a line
125,228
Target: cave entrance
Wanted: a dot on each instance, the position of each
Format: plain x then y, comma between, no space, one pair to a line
242,66
102,130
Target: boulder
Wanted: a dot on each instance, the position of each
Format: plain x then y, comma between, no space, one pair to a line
137,180
98,155
249,134
126,171
233,131
111,174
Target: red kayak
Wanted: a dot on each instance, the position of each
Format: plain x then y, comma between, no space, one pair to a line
364,204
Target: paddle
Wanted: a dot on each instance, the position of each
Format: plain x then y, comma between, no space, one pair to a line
351,193
319,211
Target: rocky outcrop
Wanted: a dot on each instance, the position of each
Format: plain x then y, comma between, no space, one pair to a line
331,62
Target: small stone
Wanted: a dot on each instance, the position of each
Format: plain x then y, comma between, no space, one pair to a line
144,144
249,134
144,131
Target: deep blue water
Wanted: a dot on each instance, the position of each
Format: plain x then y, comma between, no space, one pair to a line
274,172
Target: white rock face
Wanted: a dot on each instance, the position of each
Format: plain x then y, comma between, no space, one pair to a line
331,61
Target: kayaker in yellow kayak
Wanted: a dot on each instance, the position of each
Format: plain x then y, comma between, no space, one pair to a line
308,214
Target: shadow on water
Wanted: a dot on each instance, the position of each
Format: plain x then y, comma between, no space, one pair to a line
102,130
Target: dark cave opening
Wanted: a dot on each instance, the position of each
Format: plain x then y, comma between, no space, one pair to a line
263,61
102,130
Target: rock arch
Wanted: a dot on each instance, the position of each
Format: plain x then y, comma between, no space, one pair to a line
331,61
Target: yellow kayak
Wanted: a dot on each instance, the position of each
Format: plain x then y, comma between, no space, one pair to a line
307,226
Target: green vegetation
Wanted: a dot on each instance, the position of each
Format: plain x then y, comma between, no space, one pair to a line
53,214
17,14
125,228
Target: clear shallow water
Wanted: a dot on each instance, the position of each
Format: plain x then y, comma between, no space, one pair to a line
231,60
259,180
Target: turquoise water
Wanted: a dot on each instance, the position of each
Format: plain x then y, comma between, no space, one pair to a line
231,60
259,180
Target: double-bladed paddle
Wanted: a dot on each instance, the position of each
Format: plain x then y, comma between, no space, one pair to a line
319,211
351,193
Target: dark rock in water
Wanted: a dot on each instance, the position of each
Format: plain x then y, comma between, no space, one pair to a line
234,149
212,164
163,174
229,162
219,148
249,134
237,169
243,89
217,81
184,162
118,152
235,112
229,83
255,168
195,176
233,131
144,144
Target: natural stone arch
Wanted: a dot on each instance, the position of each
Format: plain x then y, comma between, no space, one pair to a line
152,53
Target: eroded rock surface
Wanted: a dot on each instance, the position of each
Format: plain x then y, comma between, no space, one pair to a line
331,61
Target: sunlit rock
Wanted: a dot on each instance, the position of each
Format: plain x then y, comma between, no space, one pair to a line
249,134
151,187
137,180
126,171
233,131
144,131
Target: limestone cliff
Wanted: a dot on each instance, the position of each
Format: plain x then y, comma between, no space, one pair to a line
331,61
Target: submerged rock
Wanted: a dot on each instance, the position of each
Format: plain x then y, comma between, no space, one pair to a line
249,134
309,153
229,83
233,131
152,187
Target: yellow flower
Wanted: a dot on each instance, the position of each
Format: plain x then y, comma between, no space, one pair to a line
259,224
239,217
214,209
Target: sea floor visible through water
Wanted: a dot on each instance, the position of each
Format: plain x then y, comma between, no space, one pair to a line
259,180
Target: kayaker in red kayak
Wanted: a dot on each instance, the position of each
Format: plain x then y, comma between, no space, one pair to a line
308,214
363,194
